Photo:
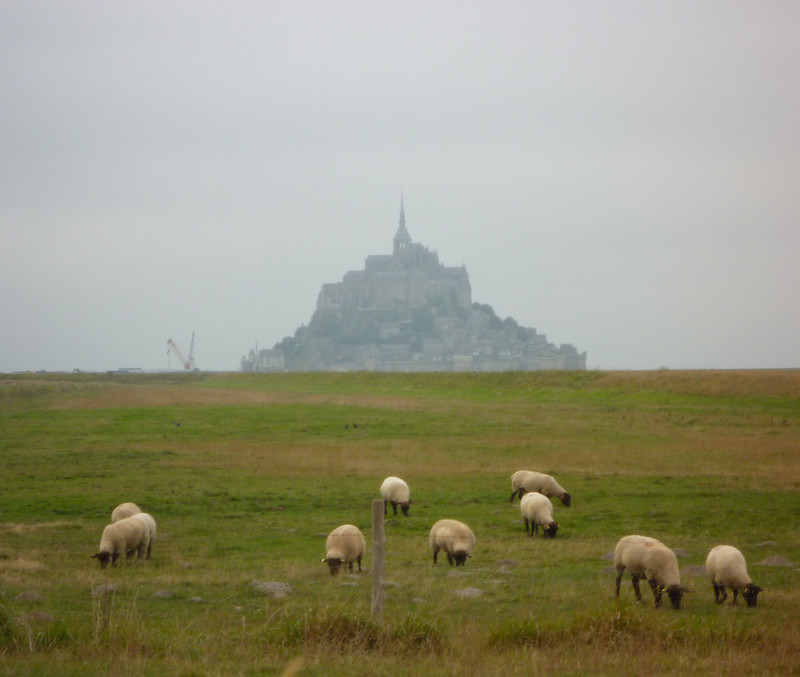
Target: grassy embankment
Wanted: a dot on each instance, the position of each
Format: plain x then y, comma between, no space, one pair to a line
246,474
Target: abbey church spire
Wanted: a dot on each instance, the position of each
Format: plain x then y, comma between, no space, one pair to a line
401,238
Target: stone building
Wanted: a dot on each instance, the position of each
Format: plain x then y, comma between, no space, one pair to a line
406,311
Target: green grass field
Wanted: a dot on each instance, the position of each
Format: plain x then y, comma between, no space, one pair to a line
246,474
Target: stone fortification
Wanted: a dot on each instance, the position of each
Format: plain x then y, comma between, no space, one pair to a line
406,311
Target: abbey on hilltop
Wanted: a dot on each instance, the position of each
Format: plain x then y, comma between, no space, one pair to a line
406,311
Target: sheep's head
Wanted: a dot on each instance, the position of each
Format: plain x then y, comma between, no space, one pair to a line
460,558
550,530
404,508
750,594
333,564
674,592
103,558
566,499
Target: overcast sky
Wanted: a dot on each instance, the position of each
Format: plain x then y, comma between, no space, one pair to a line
622,176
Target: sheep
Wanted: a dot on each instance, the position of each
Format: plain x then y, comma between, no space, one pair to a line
537,510
727,568
127,536
345,545
650,559
150,525
525,481
395,491
455,538
124,510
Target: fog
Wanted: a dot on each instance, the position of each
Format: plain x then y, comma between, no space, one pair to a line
622,176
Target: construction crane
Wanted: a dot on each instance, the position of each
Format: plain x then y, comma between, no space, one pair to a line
188,363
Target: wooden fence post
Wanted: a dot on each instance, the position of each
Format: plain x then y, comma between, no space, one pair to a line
378,558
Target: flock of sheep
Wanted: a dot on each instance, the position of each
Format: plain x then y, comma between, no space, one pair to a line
643,556
132,531
346,544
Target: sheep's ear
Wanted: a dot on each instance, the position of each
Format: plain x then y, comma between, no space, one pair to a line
96,555
324,560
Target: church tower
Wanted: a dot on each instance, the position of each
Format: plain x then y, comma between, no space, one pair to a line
401,238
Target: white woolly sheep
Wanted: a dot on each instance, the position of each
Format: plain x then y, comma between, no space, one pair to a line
455,538
526,481
537,510
727,568
127,536
395,491
648,558
124,510
150,525
345,545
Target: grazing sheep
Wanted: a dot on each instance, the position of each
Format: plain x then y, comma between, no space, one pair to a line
395,491
526,481
345,545
537,510
127,536
650,559
124,510
455,538
150,525
727,568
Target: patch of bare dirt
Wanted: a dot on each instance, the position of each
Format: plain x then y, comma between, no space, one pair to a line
167,396
20,564
20,528
776,561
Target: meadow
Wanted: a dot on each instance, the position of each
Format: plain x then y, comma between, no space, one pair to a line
247,473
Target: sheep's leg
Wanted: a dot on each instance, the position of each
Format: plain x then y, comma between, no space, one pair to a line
720,594
735,595
435,554
619,578
528,530
635,582
358,559
385,507
513,494
450,558
394,507
350,566
656,588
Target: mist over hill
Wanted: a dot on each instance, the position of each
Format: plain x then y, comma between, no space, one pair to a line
406,311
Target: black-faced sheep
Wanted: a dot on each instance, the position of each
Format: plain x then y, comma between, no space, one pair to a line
150,525
124,510
648,558
727,568
395,491
526,481
345,545
455,538
537,510
127,536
